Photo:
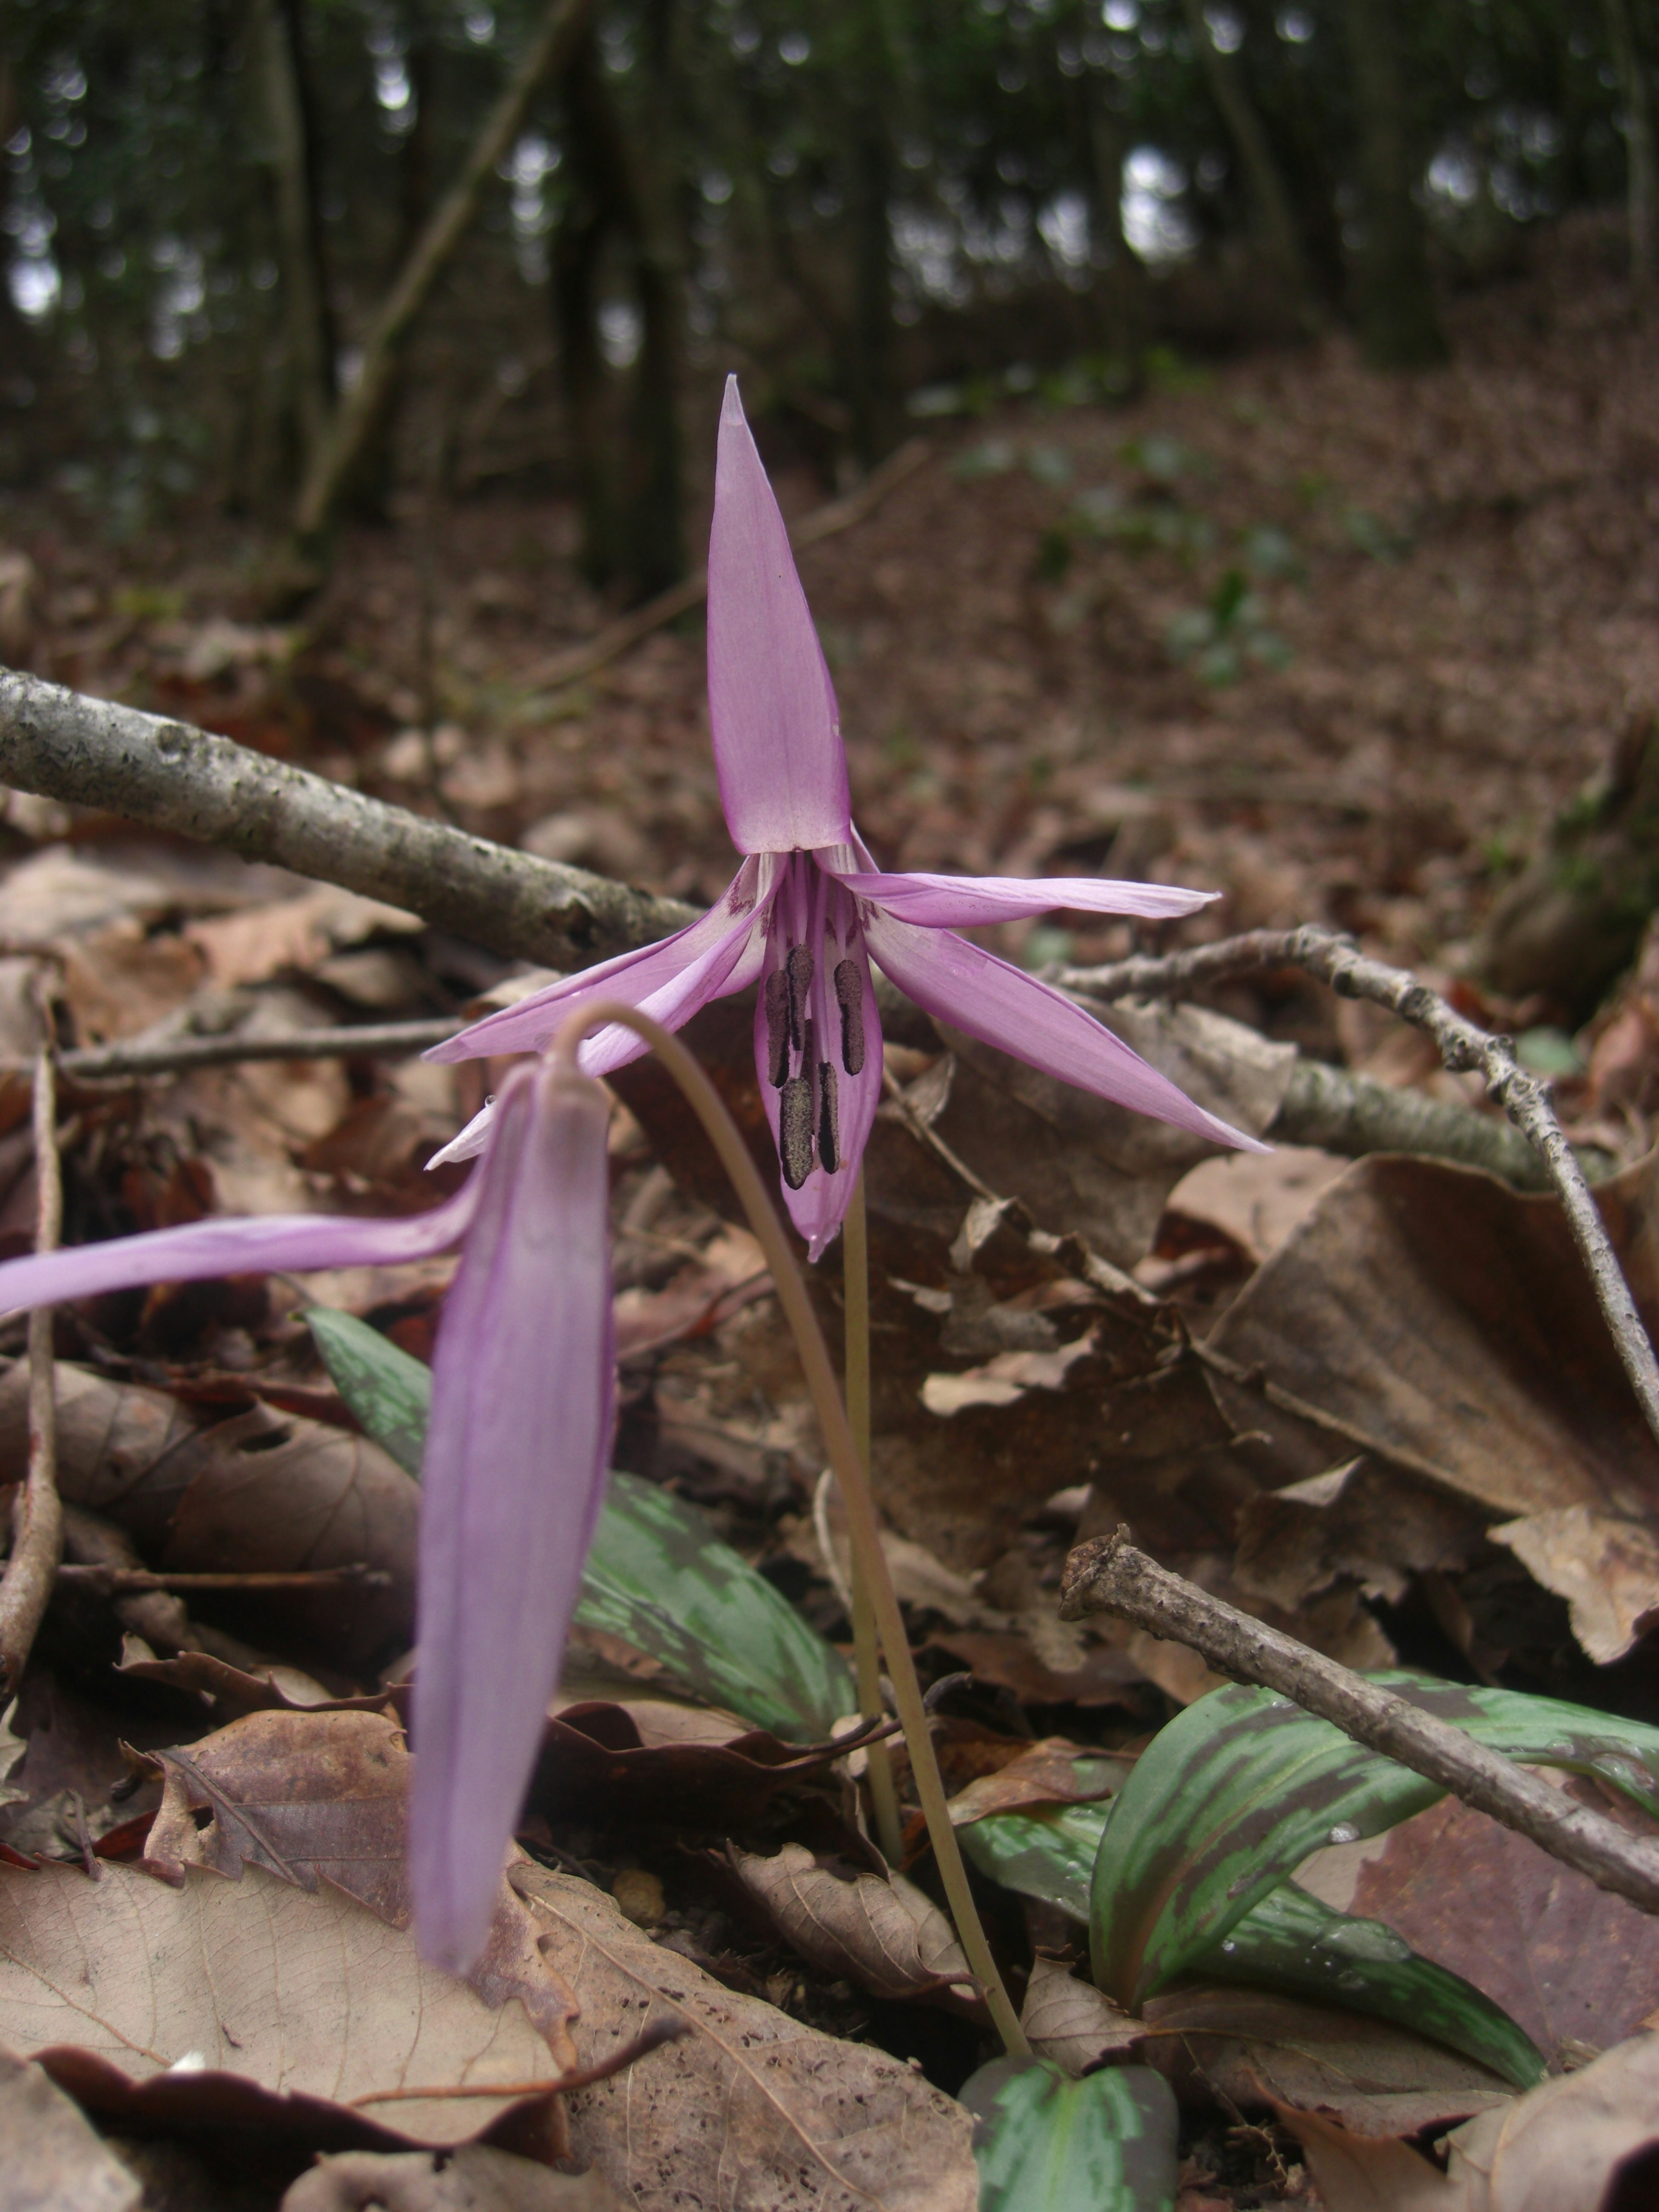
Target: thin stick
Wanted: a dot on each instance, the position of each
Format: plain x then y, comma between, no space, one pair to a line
118,1581
177,1055
862,1525
37,1521
649,2038
866,1649
1462,1044
1110,1576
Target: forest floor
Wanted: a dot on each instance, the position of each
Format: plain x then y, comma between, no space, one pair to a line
1337,646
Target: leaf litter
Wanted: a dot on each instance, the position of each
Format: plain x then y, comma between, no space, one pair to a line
1465,1487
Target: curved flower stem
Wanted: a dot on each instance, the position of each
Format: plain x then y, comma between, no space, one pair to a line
861,1523
855,1282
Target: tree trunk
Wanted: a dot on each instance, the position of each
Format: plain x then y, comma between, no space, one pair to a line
1121,318
1641,150
654,549
578,254
308,329
1267,189
870,390
354,418
1399,321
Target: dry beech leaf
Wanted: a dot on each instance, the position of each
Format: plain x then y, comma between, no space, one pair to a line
297,1993
1070,2022
49,2154
1254,2045
322,1796
297,933
752,2111
1445,1317
233,1691
882,1933
1556,2149
1054,1771
1572,1963
475,2178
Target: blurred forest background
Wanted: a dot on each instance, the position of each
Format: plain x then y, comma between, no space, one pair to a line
1275,375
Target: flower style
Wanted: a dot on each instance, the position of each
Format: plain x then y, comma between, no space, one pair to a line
522,1397
808,909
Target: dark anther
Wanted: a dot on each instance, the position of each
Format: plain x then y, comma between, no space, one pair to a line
798,968
849,997
828,1119
795,1130
777,1028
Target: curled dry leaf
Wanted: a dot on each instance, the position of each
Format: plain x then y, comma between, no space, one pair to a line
633,1756
113,1982
322,1796
476,2178
752,2111
49,2153
263,1491
1560,2148
882,1933
1070,2022
1572,1963
1448,1322
1052,1773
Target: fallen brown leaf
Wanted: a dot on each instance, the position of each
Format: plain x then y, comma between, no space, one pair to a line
1572,1963
752,2111
49,2152
296,1994
1052,1773
882,1933
475,2178
1070,2022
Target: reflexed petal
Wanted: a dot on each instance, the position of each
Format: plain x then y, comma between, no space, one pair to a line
771,705
1002,1005
205,1249
470,1142
819,1206
643,978
522,1400
959,902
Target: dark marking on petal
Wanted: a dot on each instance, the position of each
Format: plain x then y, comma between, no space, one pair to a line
828,1119
777,1001
798,968
795,1130
849,997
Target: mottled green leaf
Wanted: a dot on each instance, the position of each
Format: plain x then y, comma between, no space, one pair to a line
658,1576
1046,2143
1290,1941
1229,1798
1293,1942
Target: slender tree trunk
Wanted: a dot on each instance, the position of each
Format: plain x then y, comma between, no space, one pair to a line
1635,90
654,522
1119,290
308,325
395,319
1399,320
1275,211
578,256
870,357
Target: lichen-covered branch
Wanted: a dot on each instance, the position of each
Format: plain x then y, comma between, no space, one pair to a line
1110,1576
1461,1045
169,776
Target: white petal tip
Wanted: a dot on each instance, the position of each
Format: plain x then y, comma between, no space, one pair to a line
731,405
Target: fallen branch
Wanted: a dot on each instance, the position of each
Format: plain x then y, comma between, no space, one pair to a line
1110,1576
122,1582
1461,1045
37,1513
92,752
177,1055
579,660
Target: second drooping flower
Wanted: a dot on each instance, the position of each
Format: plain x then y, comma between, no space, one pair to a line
809,909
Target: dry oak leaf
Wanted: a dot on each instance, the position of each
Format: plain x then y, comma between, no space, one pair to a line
1072,2023
49,2154
1570,2145
311,1796
306,1995
880,1931
477,2179
751,2112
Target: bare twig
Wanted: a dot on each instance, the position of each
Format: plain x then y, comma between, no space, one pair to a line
116,1582
37,1520
650,2037
579,660
92,752
1110,1576
1462,1044
177,1055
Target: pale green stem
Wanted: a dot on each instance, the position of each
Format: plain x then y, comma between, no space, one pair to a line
866,1649
862,1525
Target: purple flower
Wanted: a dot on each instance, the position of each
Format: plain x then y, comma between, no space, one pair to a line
522,1394
808,909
